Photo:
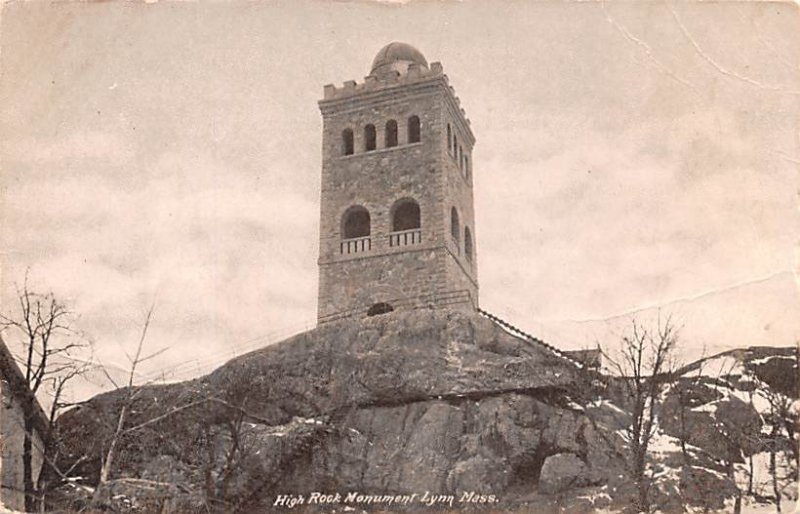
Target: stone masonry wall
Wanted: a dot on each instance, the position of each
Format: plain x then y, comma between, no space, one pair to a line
404,280
379,178
458,185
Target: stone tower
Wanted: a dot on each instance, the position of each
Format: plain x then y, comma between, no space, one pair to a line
397,225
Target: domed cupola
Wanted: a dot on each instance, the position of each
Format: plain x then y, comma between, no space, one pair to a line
396,57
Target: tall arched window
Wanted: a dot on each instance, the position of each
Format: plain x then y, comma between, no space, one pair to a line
467,169
455,227
391,134
413,129
369,137
406,215
355,222
468,243
347,142
449,139
455,145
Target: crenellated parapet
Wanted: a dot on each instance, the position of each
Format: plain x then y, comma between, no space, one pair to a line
414,75
375,82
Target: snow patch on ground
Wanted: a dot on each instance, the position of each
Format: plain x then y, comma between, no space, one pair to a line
603,403
771,357
663,443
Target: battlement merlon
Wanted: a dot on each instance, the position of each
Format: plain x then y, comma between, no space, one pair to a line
377,88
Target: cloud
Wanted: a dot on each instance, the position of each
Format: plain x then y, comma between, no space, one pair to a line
605,224
80,146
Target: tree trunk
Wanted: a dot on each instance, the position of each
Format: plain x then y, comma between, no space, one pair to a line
643,503
210,485
731,472
102,493
773,469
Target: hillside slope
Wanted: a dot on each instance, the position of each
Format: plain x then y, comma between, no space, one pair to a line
436,401
443,403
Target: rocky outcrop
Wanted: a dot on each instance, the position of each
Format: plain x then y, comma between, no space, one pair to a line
403,403
437,402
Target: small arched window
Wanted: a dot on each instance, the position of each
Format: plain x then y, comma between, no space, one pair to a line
468,243
413,129
449,139
391,134
406,215
347,142
355,222
455,227
370,138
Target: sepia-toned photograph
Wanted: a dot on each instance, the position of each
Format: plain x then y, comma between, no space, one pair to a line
412,256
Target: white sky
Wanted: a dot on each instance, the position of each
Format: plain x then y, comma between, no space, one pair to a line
629,156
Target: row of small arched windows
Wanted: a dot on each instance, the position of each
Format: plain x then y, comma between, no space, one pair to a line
390,136
457,152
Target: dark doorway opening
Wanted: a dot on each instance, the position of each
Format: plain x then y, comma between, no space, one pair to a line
379,308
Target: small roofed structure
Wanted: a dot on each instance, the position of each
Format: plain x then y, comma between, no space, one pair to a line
16,398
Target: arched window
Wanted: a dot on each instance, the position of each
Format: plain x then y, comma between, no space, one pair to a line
467,169
455,145
455,228
379,308
468,243
449,139
413,129
347,142
405,215
369,137
355,222
391,133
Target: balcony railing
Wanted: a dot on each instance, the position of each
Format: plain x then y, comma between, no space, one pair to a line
405,237
355,245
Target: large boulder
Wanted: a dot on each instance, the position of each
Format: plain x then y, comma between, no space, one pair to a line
562,471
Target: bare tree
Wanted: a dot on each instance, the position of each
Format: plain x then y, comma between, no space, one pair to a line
53,354
129,397
644,366
227,446
781,441
683,387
